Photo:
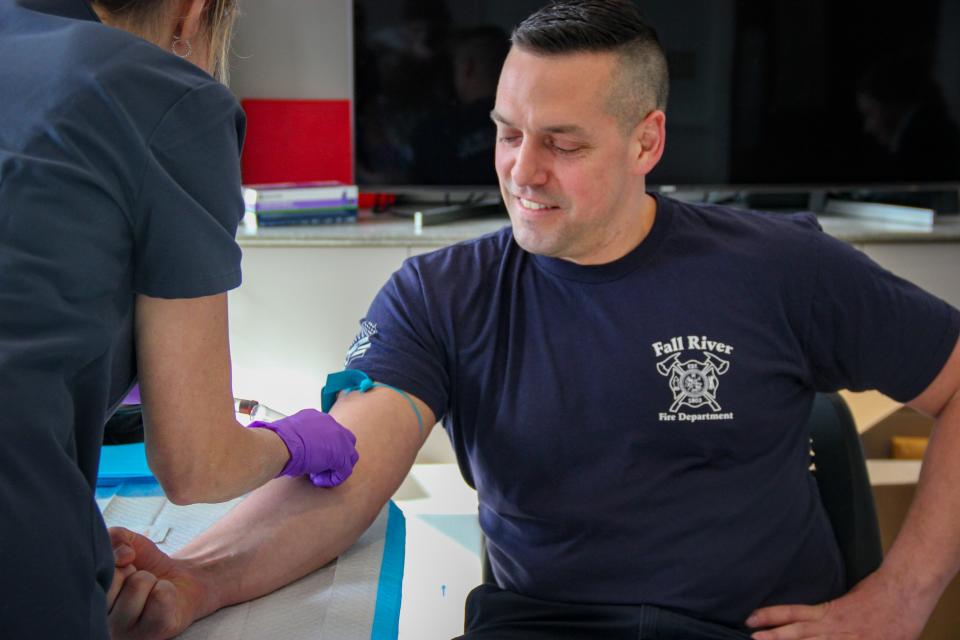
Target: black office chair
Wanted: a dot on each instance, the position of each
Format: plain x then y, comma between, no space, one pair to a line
844,485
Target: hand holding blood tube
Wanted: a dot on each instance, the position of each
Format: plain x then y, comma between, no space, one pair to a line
319,446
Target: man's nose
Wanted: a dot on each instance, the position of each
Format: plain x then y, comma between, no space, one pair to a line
529,167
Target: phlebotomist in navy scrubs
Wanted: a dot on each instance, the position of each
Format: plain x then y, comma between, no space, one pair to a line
119,201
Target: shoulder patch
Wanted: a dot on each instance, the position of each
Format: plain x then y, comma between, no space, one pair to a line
361,343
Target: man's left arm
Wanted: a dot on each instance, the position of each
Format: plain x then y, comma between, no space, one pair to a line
895,601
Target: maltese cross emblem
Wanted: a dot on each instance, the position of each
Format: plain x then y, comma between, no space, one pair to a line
693,382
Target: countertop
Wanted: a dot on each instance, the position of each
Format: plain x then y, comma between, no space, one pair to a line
385,230
371,230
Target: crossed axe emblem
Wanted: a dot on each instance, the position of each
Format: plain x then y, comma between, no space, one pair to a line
693,382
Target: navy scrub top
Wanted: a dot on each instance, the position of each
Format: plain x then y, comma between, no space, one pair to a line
119,174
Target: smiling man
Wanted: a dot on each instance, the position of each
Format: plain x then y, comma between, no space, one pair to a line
626,381
571,166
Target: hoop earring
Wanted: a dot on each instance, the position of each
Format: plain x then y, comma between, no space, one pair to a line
178,47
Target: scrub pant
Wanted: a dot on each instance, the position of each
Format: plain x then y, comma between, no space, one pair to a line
495,614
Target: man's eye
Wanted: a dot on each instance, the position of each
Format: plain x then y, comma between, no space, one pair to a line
560,149
508,138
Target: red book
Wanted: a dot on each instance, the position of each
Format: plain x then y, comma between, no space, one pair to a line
297,141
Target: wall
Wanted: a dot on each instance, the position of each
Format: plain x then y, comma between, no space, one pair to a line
293,49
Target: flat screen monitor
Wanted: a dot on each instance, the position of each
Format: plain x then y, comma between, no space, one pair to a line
764,94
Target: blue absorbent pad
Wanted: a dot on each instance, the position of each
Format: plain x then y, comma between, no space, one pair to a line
121,463
139,505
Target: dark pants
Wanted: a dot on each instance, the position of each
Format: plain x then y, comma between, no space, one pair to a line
492,613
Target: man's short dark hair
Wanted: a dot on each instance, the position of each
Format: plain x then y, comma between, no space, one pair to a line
601,26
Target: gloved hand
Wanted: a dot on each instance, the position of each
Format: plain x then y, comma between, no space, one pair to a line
319,446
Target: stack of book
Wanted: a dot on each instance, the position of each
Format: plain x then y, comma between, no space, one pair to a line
269,205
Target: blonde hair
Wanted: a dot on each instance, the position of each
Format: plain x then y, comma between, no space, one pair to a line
221,16
147,17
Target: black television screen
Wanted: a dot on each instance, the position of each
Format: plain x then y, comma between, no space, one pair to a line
763,93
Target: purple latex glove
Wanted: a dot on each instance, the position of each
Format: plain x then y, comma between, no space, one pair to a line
133,397
319,446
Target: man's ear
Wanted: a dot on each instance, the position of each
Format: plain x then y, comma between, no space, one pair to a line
648,138
189,19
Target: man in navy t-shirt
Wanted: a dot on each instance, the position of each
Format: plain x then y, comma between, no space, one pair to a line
626,381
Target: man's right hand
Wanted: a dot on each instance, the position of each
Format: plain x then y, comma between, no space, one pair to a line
153,596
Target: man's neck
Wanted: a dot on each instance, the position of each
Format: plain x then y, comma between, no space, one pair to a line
623,239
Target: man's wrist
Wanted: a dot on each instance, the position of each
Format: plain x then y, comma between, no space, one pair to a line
913,590
206,593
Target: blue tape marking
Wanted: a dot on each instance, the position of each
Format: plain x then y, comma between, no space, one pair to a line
356,380
386,614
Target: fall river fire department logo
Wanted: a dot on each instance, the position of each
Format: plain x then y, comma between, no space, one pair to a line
693,382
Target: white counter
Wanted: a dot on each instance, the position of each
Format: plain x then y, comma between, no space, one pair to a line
385,230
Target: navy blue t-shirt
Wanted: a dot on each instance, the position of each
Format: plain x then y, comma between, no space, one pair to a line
119,174
636,430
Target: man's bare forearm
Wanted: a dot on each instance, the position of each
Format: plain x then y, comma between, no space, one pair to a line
289,528
926,556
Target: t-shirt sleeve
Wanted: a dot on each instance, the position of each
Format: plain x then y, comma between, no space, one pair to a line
870,329
398,346
190,201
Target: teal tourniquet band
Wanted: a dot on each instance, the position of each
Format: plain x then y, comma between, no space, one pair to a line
356,380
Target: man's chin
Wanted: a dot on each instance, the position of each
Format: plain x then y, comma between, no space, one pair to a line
533,242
